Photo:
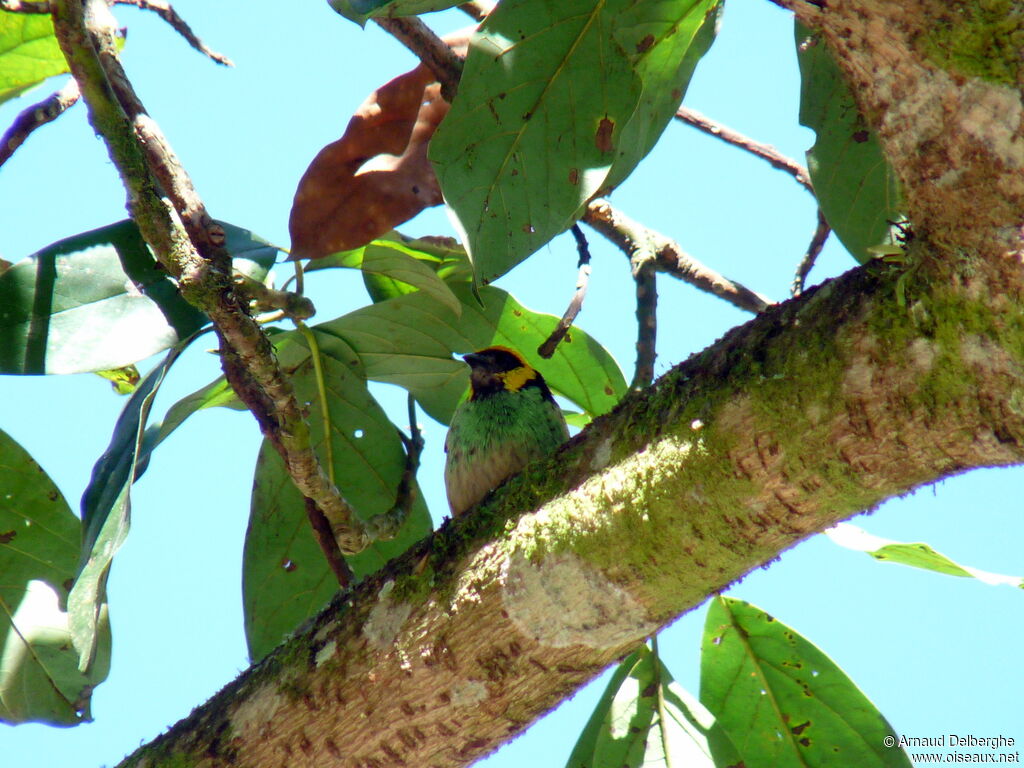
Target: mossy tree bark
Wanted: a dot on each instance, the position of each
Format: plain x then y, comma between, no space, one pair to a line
863,389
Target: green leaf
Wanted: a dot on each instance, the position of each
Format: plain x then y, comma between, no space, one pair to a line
665,40
29,52
536,125
285,576
409,340
914,554
390,259
98,301
360,11
782,701
856,187
645,719
39,544
106,508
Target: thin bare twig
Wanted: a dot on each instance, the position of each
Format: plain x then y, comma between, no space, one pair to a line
429,48
671,258
737,139
387,524
25,6
821,232
644,267
547,349
325,538
191,247
37,115
478,10
166,12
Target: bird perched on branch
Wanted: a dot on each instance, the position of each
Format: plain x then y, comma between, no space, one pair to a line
509,419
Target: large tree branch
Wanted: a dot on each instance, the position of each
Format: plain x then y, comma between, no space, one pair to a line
814,411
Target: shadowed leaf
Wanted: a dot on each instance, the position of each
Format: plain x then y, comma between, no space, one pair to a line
855,186
39,547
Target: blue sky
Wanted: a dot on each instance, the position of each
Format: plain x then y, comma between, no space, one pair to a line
936,654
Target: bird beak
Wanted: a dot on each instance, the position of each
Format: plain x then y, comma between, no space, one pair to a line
472,359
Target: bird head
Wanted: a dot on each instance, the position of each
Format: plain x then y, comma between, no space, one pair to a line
500,369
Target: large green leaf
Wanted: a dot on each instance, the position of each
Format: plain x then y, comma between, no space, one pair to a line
98,301
782,701
856,187
361,10
665,39
106,511
409,341
285,576
915,554
536,125
29,52
394,263
646,719
39,545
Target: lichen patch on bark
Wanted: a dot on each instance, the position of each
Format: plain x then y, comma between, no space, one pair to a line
562,601
386,619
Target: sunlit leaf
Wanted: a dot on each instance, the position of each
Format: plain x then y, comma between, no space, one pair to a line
915,554
781,700
99,301
856,187
286,578
40,539
392,260
29,52
645,719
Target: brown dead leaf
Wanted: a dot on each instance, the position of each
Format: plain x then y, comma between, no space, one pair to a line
377,175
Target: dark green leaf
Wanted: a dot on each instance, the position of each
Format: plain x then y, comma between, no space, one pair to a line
645,719
409,340
856,188
536,125
98,301
106,510
361,10
782,701
29,52
39,546
665,39
285,576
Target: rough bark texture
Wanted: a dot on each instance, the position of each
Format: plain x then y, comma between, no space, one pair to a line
869,386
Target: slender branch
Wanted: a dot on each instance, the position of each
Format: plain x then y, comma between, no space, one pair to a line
328,545
431,50
765,151
821,232
166,12
547,349
671,258
191,247
643,262
37,115
478,10
387,524
25,6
